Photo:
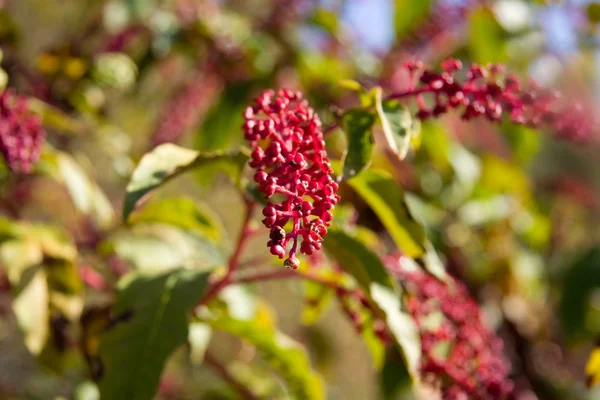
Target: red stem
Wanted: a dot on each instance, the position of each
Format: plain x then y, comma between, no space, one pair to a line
234,260
224,373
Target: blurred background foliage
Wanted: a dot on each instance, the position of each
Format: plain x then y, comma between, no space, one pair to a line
510,210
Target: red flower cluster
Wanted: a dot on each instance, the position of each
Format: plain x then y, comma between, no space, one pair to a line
491,93
185,110
459,354
289,155
21,133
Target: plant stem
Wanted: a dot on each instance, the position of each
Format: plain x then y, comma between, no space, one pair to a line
226,375
234,260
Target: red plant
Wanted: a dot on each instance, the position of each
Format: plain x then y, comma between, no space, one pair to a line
473,366
289,155
491,93
186,108
21,133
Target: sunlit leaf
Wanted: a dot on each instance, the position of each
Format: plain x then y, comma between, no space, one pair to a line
386,199
39,261
152,313
158,166
367,268
181,212
88,198
161,247
401,325
397,125
358,124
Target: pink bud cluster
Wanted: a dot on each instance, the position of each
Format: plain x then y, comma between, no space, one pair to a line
185,110
21,133
292,168
490,93
460,356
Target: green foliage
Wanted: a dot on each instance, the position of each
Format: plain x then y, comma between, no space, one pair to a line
151,314
397,124
160,165
181,212
408,14
287,357
358,124
487,39
39,262
386,199
355,258
580,280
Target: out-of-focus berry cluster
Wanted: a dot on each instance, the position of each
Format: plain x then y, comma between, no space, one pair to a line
21,133
491,93
460,356
353,304
288,152
186,108
445,16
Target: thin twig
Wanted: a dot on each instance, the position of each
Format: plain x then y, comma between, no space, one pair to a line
226,375
234,260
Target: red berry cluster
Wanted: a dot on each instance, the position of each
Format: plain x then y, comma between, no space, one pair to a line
473,366
491,93
186,108
21,133
291,162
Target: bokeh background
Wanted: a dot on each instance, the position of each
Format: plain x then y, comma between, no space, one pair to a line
115,78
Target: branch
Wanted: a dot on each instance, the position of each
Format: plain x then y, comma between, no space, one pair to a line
226,375
234,260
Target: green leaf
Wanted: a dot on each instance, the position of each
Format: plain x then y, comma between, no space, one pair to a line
366,267
358,124
222,126
356,259
401,324
55,118
397,125
88,198
183,213
326,19
386,199
283,354
593,12
408,14
116,70
487,38
578,283
39,261
160,247
158,166
153,312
